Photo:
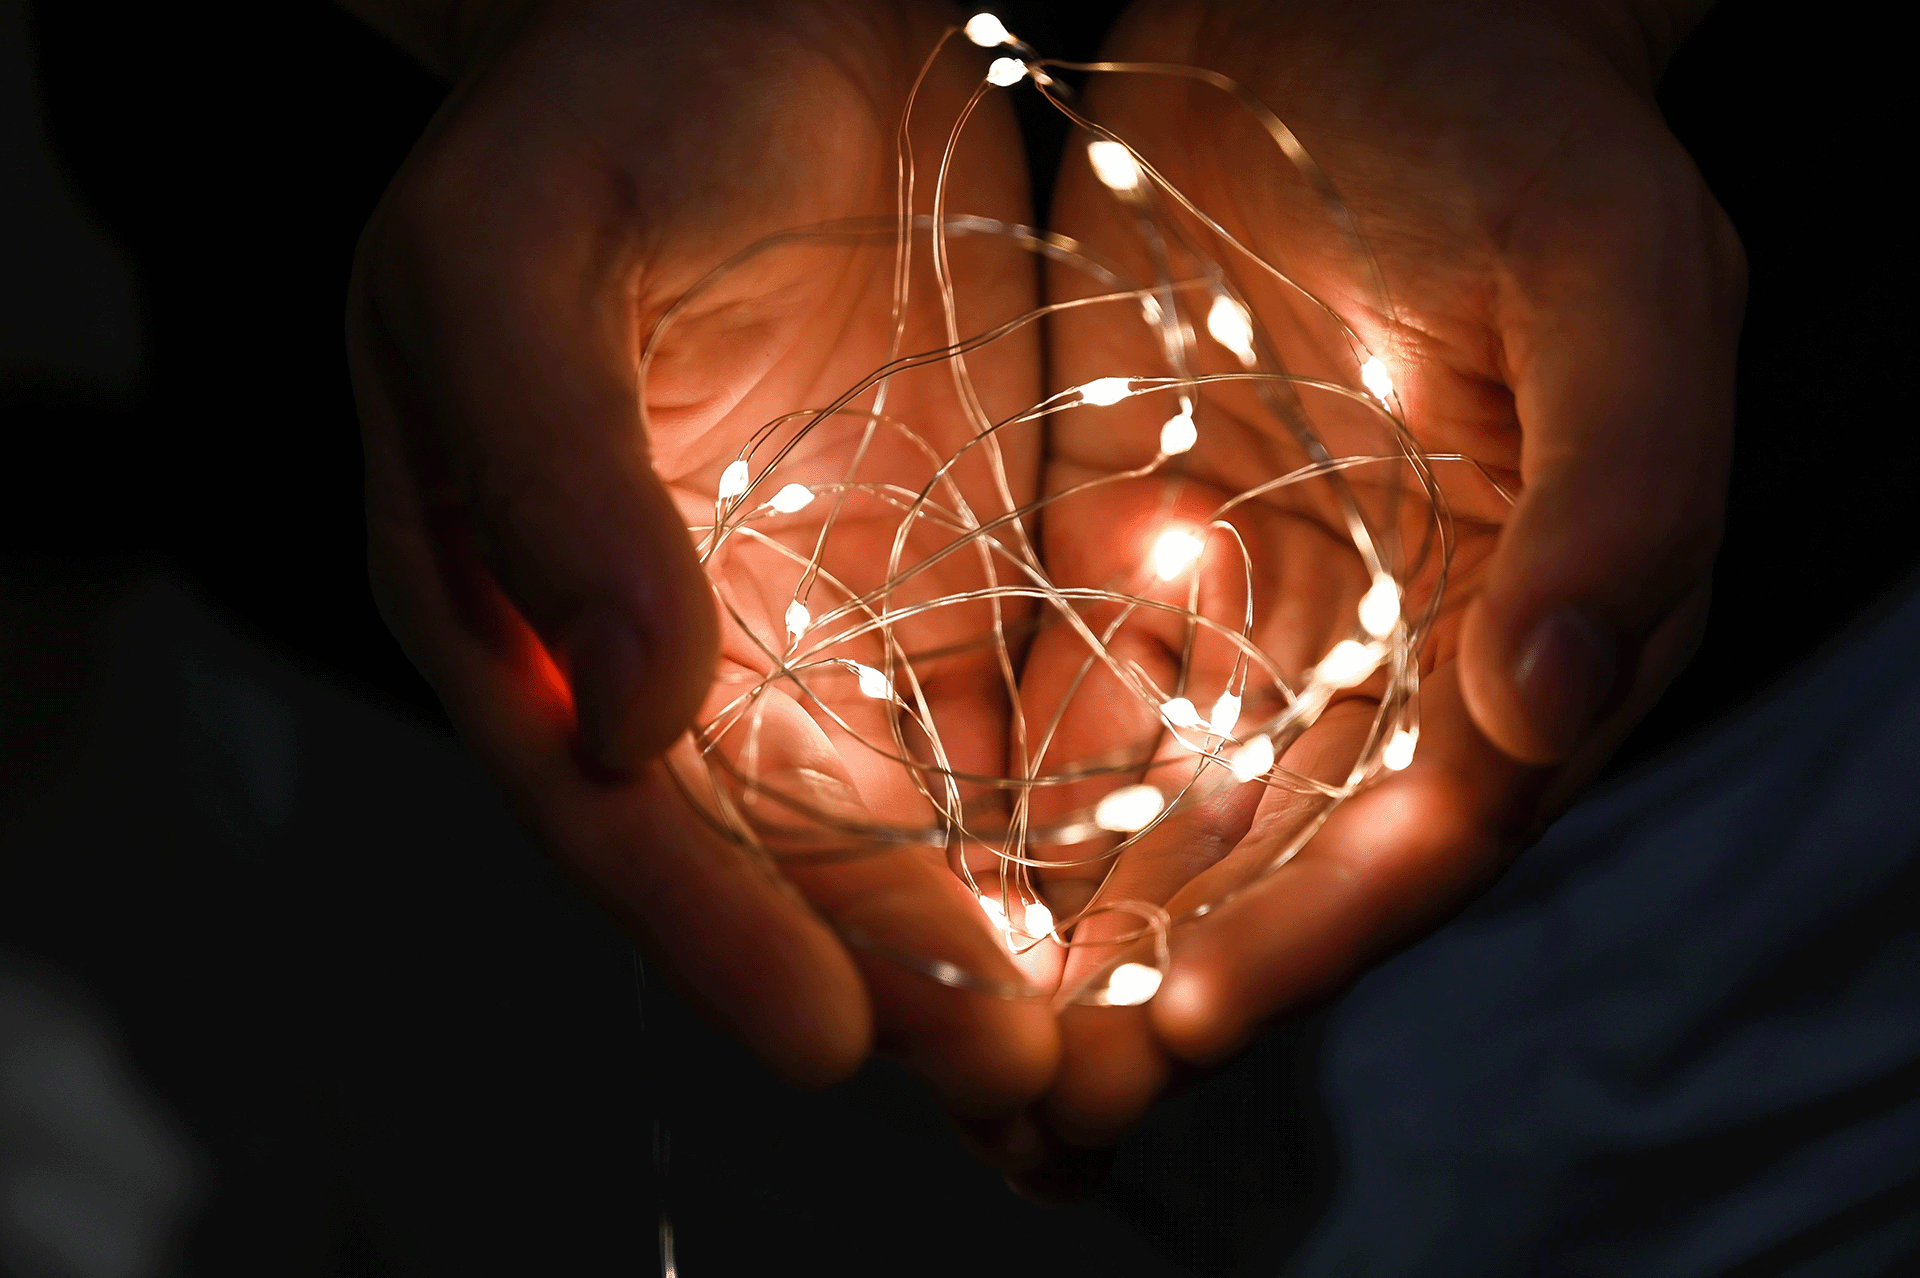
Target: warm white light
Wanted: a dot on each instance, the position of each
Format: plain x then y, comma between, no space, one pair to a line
1128,809
1179,434
1006,71
1254,759
1114,165
1380,606
1181,713
1225,715
995,911
1039,919
1347,664
1150,310
1132,984
733,481
1228,322
1399,751
1174,553
873,683
791,498
1102,391
987,31
1374,374
798,619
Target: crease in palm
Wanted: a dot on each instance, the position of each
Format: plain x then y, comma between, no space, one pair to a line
898,535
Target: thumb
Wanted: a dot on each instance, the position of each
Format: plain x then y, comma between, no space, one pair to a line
1623,372
519,337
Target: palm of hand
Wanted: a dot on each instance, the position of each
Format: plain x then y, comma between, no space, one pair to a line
1522,200
507,481
582,153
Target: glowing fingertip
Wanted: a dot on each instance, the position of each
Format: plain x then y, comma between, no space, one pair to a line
1174,553
1114,165
1225,715
1374,375
1103,391
1178,435
1129,809
1380,606
987,31
1181,713
1132,984
1232,327
798,619
1006,71
733,480
1254,759
791,498
873,683
1399,751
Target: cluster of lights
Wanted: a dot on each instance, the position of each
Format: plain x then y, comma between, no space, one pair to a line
1382,634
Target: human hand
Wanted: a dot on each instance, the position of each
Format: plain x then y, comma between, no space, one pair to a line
1565,305
529,514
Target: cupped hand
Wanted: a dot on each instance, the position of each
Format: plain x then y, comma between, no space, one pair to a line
1564,303
530,498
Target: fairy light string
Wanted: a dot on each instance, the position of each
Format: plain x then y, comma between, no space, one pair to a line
879,554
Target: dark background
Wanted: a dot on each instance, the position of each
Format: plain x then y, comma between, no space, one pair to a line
232,154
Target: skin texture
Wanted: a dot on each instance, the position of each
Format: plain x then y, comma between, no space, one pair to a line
1566,299
528,525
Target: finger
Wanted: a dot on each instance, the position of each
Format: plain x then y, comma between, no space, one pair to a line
1225,832
1622,355
911,921
1388,862
512,318
732,934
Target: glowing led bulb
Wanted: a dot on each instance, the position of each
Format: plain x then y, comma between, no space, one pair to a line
1114,165
791,498
1179,434
798,619
987,31
1347,664
1132,984
1227,320
1128,809
1102,391
1399,751
1174,553
1181,713
1039,919
1226,714
1374,374
1006,71
1380,606
733,480
873,683
995,911
1254,759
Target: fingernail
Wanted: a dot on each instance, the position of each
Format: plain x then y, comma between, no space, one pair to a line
607,664
1565,675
